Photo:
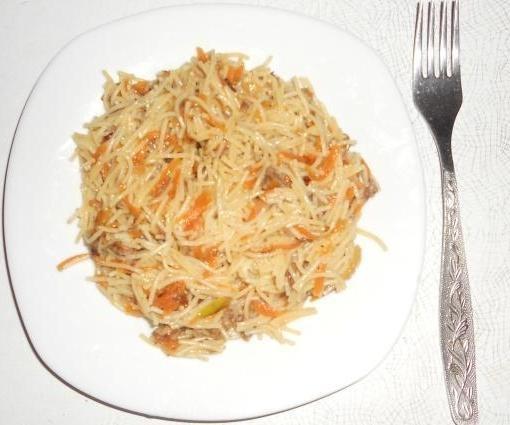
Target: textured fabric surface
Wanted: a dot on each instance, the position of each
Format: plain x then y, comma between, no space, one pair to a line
407,388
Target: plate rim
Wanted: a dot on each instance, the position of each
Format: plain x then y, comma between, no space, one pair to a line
218,5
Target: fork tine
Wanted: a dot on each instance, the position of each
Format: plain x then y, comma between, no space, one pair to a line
431,11
455,38
417,51
442,40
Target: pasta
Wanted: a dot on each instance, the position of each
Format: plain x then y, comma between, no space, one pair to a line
217,201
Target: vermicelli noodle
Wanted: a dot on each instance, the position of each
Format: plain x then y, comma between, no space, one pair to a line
218,200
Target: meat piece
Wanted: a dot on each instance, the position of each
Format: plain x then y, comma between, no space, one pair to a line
119,249
206,333
109,133
230,317
273,179
372,187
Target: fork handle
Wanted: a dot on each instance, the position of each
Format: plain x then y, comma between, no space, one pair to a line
456,317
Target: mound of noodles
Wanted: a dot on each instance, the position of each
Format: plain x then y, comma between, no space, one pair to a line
218,200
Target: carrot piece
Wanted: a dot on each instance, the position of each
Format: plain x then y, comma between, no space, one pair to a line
101,149
234,74
264,309
165,178
327,164
132,309
353,263
278,246
213,122
317,143
252,173
239,71
339,226
141,87
71,261
134,211
171,297
230,75
349,193
250,183
105,170
147,144
257,206
356,211
318,285
192,219
305,233
167,343
94,203
307,158
135,233
102,217
206,254
171,141
201,55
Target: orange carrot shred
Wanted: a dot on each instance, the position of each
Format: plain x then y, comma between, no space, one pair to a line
192,219
171,297
171,141
102,217
257,206
349,193
206,254
327,165
252,173
134,211
94,203
201,55
305,233
357,208
168,343
101,149
318,285
135,233
169,171
234,74
307,158
141,87
264,309
339,226
132,309
105,170
147,141
213,122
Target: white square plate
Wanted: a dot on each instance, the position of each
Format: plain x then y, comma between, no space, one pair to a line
95,348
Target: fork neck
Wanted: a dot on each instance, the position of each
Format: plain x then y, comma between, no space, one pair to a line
444,148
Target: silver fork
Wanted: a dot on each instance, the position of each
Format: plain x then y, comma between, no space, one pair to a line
437,94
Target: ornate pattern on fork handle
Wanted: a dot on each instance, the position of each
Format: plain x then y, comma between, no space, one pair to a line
456,319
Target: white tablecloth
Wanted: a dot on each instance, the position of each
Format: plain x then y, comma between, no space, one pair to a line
408,387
